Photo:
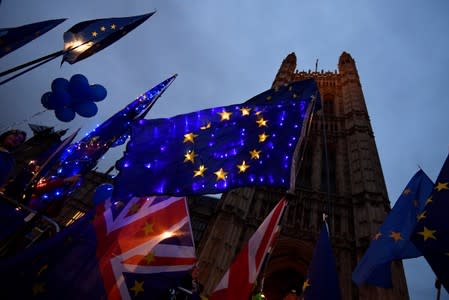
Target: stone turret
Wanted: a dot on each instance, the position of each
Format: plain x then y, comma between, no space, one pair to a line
286,71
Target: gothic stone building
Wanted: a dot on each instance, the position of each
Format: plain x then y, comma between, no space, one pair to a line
350,186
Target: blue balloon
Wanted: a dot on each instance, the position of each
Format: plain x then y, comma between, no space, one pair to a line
60,98
79,86
98,92
65,114
60,84
45,100
102,192
86,109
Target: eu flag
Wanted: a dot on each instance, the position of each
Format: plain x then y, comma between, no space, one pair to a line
14,38
88,37
322,279
137,250
392,241
217,149
431,234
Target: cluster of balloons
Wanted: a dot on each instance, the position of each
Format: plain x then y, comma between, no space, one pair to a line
76,96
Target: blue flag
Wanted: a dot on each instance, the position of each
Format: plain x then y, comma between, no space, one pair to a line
322,279
88,37
137,250
392,242
217,149
431,234
14,38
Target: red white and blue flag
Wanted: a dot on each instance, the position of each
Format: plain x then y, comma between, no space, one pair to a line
238,281
136,250
148,236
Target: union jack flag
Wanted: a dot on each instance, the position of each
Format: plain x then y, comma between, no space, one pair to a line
238,281
136,250
146,238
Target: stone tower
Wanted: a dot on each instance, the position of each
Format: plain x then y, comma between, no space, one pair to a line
350,187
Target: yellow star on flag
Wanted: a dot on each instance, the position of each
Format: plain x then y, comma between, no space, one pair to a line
113,26
406,191
428,201
38,288
427,233
225,115
377,236
306,284
94,34
243,167
263,137
190,156
421,216
245,111
137,288
149,258
268,98
262,122
205,126
190,137
442,186
42,269
221,174
200,171
102,28
147,228
254,154
396,235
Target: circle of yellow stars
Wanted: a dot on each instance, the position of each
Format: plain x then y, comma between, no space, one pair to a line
190,156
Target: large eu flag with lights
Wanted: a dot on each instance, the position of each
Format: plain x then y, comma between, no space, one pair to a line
217,149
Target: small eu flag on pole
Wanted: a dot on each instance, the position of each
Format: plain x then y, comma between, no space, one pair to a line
217,149
431,234
392,241
322,279
87,38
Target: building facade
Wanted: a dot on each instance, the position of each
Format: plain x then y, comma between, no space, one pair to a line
340,175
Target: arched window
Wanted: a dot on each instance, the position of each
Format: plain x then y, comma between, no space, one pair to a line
328,104
329,165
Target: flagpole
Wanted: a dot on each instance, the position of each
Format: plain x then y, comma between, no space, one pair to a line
326,162
145,112
22,66
48,58
42,60
438,287
264,264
